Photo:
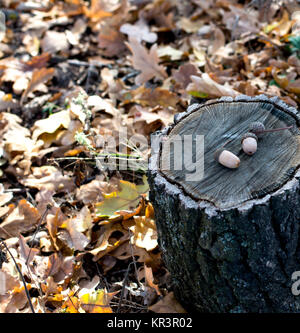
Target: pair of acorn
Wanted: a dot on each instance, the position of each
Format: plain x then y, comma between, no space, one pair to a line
249,145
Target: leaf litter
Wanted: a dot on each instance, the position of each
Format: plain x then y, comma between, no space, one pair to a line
77,236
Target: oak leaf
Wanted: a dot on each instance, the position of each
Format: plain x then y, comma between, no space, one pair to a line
140,30
146,62
17,300
127,250
96,12
39,76
50,128
210,88
91,192
154,97
183,75
169,52
26,253
188,25
111,41
22,219
97,301
126,199
144,233
77,226
54,41
105,243
20,72
49,177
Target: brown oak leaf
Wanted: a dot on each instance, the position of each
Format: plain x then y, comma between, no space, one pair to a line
22,219
146,62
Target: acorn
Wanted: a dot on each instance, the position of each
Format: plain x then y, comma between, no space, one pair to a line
227,158
249,143
257,128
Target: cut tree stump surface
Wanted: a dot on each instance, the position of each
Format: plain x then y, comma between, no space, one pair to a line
277,157
231,239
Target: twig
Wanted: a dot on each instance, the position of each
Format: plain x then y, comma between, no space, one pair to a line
21,275
273,129
123,287
79,63
133,259
37,229
134,305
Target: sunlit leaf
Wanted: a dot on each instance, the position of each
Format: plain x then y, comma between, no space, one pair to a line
125,199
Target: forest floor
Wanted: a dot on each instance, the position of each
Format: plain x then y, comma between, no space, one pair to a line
83,84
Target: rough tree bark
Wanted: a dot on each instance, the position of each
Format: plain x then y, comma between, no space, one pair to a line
231,239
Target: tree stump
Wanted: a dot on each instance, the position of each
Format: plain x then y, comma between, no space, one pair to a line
230,239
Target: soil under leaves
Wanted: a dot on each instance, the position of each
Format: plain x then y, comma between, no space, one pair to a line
75,74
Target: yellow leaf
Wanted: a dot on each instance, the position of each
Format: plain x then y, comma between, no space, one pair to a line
97,301
95,12
7,98
126,199
72,304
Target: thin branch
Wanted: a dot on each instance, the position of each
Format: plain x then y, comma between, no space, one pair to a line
123,287
37,229
21,275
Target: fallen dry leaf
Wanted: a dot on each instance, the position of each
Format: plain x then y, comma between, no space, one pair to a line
125,200
127,250
77,226
22,219
150,279
96,301
111,41
147,63
168,304
169,52
26,253
189,25
147,120
283,27
17,300
104,243
92,192
4,197
20,72
96,12
73,36
54,41
210,88
183,75
49,177
50,128
154,97
39,76
144,233
140,31
219,41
